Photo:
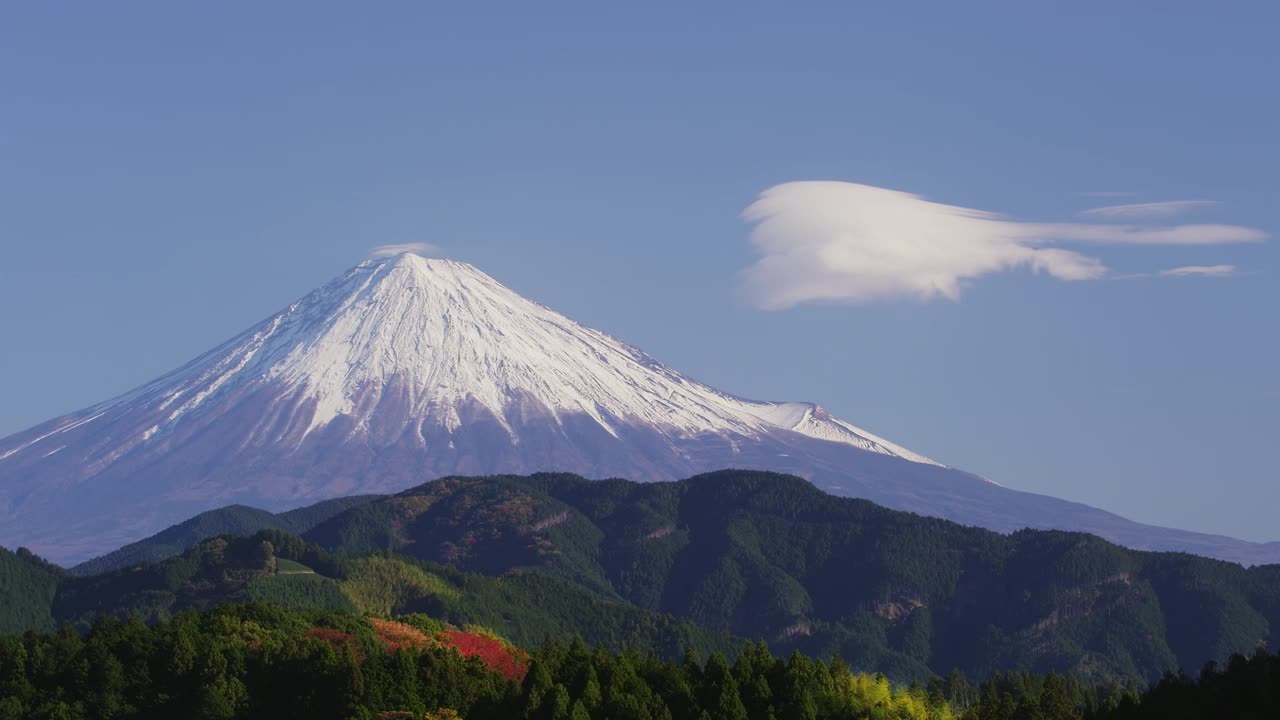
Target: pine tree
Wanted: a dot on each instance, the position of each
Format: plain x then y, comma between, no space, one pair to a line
1054,704
720,694
536,687
591,695
557,704
798,700
11,708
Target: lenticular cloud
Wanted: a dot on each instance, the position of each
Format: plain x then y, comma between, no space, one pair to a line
420,248
837,241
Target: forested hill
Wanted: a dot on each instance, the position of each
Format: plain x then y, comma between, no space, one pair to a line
257,661
282,569
701,562
260,661
27,587
230,520
769,556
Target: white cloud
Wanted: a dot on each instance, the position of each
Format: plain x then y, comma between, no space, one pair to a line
1201,270
846,242
425,249
1167,208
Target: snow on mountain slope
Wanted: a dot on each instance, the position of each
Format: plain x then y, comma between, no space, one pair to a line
406,369
450,336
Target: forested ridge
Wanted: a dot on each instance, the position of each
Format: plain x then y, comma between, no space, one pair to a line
705,564
282,569
230,520
27,588
768,556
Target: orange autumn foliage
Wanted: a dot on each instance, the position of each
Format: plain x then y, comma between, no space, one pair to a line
397,635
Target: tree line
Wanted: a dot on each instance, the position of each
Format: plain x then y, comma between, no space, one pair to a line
259,660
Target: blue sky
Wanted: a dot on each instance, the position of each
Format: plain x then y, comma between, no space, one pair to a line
170,175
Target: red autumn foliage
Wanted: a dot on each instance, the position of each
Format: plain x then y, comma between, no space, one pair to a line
510,661
503,658
338,640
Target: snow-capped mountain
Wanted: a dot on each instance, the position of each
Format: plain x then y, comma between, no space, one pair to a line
407,368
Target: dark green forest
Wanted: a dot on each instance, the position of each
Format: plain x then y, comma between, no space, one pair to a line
706,562
230,520
258,660
279,568
27,588
870,602
768,556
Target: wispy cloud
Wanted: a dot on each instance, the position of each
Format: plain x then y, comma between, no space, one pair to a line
400,249
1201,271
846,242
1143,235
1214,271
1168,208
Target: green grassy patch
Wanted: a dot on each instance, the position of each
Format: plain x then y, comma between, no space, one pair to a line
285,566
382,586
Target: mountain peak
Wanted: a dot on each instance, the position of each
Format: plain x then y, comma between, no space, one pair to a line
406,368
436,343
400,369
412,270
423,264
